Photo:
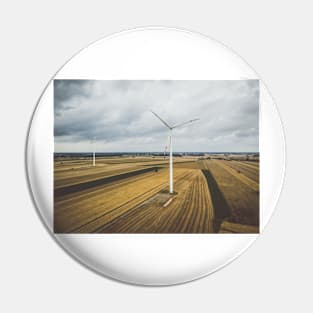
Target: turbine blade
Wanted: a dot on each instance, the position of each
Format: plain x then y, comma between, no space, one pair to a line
168,126
187,122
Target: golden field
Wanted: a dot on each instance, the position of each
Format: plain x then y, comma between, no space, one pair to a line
130,195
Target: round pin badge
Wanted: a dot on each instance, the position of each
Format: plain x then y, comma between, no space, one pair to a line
155,156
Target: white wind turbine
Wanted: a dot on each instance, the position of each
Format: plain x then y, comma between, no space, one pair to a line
170,128
94,152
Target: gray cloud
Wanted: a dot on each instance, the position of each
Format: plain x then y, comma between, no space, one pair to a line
117,113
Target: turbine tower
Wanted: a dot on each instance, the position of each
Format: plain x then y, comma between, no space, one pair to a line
170,128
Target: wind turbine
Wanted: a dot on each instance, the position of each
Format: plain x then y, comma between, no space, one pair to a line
94,152
170,128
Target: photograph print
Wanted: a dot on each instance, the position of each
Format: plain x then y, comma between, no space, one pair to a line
156,156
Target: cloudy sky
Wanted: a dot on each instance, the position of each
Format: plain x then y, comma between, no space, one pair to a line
118,115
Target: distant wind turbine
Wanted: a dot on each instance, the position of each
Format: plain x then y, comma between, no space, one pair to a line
170,128
94,152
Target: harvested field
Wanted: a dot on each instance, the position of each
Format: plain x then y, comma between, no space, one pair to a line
241,174
253,165
101,181
165,214
242,200
243,168
130,195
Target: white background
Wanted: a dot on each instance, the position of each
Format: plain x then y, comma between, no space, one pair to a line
37,37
